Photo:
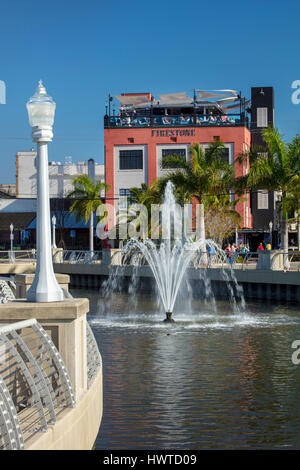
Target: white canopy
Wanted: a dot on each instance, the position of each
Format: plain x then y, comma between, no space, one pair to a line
175,98
208,94
235,106
133,99
228,100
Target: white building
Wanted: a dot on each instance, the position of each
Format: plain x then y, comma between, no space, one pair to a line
60,175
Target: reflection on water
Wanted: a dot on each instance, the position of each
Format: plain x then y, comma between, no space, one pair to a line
213,380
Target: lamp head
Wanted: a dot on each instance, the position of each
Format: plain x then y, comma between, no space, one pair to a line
41,108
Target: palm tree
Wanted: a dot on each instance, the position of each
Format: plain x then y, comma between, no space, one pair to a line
87,194
277,168
205,174
144,196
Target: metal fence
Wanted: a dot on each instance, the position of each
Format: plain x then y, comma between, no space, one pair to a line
244,260
18,256
34,383
182,120
78,257
93,356
287,260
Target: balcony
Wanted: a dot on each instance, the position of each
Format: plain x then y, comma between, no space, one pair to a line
169,121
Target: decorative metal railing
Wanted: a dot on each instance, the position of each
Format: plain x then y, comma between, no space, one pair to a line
7,290
287,260
78,257
93,356
34,384
247,260
175,120
18,256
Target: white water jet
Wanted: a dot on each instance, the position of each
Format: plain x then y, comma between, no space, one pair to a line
169,259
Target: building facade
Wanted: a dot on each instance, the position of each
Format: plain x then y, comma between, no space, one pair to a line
146,130
60,175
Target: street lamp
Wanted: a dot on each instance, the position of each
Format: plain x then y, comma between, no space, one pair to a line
11,253
271,231
53,232
11,237
41,109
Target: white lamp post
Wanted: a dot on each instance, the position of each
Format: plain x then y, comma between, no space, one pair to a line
41,109
11,253
11,237
271,232
53,232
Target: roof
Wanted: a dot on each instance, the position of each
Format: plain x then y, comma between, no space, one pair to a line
5,195
69,222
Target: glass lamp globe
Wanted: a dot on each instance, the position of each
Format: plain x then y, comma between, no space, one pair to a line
41,108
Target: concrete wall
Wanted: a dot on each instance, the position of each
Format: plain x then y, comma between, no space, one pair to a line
65,322
257,283
60,175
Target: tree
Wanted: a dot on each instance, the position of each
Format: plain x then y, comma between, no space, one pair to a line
221,219
144,196
276,168
205,174
87,193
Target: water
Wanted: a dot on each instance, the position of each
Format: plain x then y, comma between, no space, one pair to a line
215,379
170,258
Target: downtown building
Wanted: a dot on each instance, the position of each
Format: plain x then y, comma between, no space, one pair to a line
18,201
147,129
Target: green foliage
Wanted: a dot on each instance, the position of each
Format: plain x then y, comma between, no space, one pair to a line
87,195
204,174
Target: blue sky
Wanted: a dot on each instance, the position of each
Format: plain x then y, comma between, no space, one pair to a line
84,50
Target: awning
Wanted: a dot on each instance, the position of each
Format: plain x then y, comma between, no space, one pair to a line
231,99
133,99
20,220
69,222
175,98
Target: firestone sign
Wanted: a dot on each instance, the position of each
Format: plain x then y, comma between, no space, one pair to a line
172,132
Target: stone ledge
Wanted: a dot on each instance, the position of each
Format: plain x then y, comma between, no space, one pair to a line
20,309
27,278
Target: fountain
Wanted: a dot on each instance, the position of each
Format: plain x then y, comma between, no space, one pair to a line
170,258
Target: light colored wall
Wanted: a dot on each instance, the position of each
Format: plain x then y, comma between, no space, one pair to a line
152,138
60,175
26,174
17,205
159,148
125,179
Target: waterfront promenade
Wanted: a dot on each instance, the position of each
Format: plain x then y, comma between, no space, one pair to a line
50,371
262,275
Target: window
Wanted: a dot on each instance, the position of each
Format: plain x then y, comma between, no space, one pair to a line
224,155
176,152
131,159
262,117
262,199
125,198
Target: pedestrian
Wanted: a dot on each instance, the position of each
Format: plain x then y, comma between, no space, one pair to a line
229,253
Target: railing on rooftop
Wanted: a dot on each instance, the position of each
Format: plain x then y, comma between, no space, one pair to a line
176,121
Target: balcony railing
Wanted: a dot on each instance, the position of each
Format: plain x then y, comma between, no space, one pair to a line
176,121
